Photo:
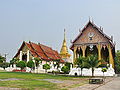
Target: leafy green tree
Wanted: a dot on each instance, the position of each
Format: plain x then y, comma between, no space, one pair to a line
65,69
104,70
5,65
37,61
80,63
21,64
46,67
30,64
14,61
92,62
117,62
68,64
2,59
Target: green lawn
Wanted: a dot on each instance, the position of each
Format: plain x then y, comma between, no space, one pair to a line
29,81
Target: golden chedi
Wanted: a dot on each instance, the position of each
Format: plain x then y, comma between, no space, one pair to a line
64,50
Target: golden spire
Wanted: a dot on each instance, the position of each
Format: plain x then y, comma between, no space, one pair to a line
64,50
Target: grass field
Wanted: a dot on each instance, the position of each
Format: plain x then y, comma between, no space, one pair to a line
29,81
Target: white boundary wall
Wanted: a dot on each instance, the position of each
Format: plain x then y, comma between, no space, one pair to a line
88,72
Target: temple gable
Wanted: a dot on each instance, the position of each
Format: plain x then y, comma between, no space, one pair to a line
90,35
93,41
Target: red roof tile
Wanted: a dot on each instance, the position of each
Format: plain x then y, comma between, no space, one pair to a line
41,51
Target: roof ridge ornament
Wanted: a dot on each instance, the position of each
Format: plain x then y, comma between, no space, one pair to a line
89,19
92,21
64,34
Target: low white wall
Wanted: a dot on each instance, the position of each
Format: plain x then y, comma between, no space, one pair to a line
88,72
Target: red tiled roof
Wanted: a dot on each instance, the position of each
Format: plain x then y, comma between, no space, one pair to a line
41,51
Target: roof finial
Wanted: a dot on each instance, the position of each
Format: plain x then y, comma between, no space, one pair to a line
79,30
64,33
92,20
70,41
89,19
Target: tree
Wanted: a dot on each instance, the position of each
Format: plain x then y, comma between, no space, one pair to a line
80,63
3,62
37,61
68,64
30,64
2,59
65,69
5,65
104,70
46,67
21,64
117,62
14,61
92,62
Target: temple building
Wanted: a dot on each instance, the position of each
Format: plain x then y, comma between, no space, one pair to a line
29,51
64,50
92,40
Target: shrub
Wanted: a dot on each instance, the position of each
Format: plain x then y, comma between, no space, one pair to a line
46,67
14,61
65,69
30,64
21,64
68,64
104,70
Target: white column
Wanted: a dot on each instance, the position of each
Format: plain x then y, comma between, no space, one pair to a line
20,56
28,55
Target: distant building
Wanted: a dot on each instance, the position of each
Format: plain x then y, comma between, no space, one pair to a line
64,51
92,40
29,51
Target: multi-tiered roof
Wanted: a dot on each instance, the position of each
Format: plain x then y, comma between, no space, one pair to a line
41,51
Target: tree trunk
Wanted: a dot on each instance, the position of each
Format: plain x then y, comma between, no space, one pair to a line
21,69
103,78
81,71
92,72
45,70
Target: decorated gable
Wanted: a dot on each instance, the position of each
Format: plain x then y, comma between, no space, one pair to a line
91,34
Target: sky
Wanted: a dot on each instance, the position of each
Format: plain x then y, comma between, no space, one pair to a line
43,21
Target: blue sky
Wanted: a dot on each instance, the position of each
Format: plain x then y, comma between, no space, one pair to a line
44,21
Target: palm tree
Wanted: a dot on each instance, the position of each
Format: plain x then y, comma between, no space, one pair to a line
92,62
80,62
37,62
14,61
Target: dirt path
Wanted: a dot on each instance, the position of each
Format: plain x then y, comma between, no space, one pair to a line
112,85
6,88
92,86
